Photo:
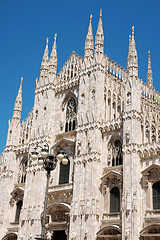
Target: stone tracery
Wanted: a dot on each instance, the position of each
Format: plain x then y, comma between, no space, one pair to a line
115,153
71,115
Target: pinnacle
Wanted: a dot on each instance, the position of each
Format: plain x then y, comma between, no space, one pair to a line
18,102
55,36
149,72
90,18
132,31
53,53
45,56
132,61
20,88
53,57
88,50
100,29
149,59
47,41
100,12
149,56
99,40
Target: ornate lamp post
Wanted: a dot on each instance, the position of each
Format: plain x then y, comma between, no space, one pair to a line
49,162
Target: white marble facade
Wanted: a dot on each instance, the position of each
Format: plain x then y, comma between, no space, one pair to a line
107,120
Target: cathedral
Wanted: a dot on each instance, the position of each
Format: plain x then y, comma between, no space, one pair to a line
106,121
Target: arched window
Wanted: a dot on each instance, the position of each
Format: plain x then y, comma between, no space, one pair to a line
64,173
71,115
117,153
18,210
156,195
10,236
23,167
114,200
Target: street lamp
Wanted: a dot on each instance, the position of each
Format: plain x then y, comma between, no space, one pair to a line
49,162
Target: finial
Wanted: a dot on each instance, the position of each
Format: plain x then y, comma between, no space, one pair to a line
100,12
133,31
90,18
149,72
149,60
55,36
47,41
21,80
149,54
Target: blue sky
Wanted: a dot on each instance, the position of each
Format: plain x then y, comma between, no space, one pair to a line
25,25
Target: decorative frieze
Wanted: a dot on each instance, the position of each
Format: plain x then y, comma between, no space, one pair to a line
88,157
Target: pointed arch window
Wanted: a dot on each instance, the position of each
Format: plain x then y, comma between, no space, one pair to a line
114,200
117,153
23,170
64,173
71,112
156,195
18,210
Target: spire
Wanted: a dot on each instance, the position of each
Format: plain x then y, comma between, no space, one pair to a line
132,60
88,50
99,40
129,51
53,57
18,103
44,64
149,72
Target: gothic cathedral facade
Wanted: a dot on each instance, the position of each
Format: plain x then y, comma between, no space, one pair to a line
107,121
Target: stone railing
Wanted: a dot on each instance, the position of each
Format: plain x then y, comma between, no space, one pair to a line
150,92
111,217
121,73
116,69
152,214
